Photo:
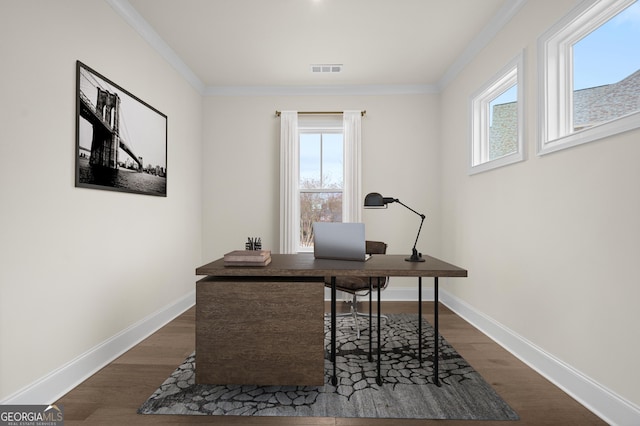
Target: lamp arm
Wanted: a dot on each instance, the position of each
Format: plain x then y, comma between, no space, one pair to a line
415,256
401,203
418,236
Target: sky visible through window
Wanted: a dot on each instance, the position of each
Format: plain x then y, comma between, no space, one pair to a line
610,53
331,161
509,95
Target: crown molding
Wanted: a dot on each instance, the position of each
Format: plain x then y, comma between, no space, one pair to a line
504,15
133,18
330,90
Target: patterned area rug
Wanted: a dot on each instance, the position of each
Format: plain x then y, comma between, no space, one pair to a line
407,392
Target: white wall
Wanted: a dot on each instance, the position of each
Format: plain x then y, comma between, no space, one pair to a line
400,150
81,265
550,243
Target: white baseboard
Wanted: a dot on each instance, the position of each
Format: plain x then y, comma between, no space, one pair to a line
54,385
603,402
612,408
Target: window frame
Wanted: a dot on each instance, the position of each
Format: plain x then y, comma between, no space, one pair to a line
351,125
511,74
555,88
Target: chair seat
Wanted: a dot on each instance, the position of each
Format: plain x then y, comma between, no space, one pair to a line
359,286
354,284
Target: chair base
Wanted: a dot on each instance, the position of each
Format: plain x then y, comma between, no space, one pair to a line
355,314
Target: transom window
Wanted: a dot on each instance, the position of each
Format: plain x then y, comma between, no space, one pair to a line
606,65
496,121
590,74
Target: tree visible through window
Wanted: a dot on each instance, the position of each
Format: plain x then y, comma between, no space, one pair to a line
321,181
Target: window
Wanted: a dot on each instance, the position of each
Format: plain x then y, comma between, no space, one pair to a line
321,180
320,174
496,121
590,74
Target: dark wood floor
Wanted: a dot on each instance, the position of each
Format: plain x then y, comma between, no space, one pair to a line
112,396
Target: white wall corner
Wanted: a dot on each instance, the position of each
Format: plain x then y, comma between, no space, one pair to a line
603,402
57,383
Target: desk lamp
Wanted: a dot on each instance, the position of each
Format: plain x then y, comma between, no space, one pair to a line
374,200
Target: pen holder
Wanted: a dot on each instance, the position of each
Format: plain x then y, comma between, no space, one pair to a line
253,244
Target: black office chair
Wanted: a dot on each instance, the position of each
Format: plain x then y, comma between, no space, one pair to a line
359,286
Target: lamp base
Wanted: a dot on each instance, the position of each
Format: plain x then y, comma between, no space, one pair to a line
411,259
415,257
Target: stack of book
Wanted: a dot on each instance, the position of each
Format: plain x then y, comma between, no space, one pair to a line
248,258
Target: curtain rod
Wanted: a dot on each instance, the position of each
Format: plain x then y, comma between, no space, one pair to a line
362,113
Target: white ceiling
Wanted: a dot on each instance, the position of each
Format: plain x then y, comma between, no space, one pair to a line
222,44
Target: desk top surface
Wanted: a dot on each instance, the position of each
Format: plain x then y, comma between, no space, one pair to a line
306,265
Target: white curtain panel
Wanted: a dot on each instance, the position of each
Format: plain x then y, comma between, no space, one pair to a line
289,167
352,192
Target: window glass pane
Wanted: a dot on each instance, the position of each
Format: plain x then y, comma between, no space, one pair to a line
503,127
310,160
332,172
317,207
606,70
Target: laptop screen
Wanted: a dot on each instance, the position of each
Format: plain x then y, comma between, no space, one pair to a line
337,240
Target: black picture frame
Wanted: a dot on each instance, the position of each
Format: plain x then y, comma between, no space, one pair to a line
121,141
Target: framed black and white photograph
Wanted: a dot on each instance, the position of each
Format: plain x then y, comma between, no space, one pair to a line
121,141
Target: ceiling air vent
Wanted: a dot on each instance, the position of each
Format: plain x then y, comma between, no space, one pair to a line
326,68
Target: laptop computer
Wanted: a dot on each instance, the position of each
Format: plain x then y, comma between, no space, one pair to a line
337,240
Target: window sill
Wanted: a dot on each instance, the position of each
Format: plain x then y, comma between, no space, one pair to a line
592,134
498,162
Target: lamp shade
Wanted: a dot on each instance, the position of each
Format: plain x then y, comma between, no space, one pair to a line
374,199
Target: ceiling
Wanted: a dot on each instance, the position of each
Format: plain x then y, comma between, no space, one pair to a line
219,44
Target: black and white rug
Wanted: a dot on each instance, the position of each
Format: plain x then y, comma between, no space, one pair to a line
407,392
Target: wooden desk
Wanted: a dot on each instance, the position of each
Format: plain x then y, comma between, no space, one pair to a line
305,266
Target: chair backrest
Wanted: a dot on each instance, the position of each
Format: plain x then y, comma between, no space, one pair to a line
351,284
375,247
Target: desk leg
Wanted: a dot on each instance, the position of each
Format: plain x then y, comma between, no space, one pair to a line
379,379
420,321
334,379
370,320
436,350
